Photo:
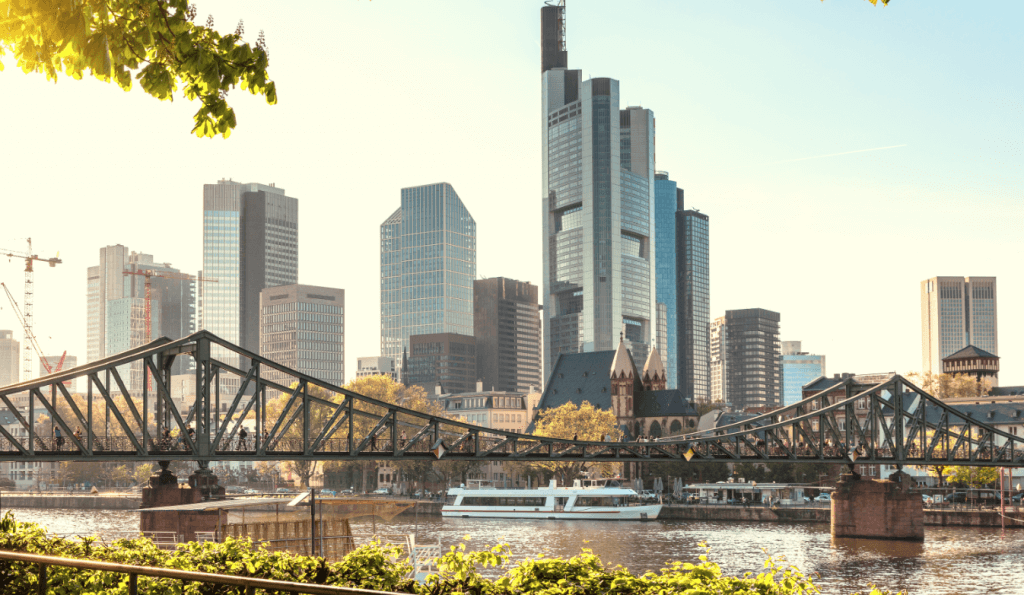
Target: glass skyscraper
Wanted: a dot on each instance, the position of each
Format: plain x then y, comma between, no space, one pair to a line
250,242
693,306
598,193
798,368
668,198
427,268
957,312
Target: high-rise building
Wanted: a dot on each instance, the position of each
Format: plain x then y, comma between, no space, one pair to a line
506,323
693,305
668,198
442,362
746,356
957,312
376,366
303,327
427,267
116,309
598,194
798,368
250,242
9,353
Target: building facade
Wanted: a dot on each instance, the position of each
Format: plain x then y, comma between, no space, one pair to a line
693,306
506,323
957,312
250,242
798,368
749,354
376,366
9,353
442,362
598,204
303,327
668,199
427,267
719,333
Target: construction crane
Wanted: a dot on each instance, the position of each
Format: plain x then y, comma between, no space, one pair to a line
31,337
29,296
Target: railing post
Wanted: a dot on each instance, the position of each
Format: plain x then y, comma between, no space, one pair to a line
133,584
42,577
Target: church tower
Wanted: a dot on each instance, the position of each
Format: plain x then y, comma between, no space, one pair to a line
625,384
655,377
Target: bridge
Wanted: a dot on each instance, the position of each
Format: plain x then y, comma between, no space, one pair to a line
892,423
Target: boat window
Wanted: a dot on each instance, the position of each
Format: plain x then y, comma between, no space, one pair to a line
491,501
599,501
561,501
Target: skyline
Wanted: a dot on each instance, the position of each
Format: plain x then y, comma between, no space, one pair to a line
748,152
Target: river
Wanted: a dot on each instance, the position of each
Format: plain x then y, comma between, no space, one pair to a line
952,560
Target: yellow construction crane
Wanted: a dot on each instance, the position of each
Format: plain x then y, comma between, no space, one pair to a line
29,300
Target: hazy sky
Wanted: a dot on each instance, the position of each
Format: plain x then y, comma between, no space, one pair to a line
766,114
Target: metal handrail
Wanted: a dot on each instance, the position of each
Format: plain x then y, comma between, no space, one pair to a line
133,572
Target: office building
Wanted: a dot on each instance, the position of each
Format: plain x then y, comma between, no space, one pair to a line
303,327
116,308
442,363
957,312
598,197
376,366
798,368
719,334
506,323
9,353
427,267
668,199
70,361
745,348
693,304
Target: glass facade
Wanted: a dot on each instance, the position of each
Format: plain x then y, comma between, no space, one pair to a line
957,312
798,370
667,199
428,264
693,305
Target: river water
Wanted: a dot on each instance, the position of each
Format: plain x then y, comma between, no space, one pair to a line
950,561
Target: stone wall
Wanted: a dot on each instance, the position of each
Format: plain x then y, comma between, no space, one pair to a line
877,509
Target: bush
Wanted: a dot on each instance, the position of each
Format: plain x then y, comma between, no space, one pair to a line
373,566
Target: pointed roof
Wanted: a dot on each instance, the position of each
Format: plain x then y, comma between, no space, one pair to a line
969,352
654,368
622,364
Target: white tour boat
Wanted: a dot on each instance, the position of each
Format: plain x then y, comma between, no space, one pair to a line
598,501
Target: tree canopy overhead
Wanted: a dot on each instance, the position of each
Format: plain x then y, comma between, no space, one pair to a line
157,41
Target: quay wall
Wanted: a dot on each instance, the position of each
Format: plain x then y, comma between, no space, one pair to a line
87,502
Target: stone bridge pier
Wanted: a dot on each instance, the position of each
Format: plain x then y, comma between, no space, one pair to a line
877,509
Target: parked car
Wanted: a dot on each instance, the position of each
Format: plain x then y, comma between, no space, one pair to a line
330,493
423,494
347,492
926,499
283,491
823,497
649,495
251,491
981,497
1018,499
234,490
381,491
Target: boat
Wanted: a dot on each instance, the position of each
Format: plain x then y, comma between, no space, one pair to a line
596,501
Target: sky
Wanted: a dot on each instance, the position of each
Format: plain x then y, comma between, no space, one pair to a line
843,152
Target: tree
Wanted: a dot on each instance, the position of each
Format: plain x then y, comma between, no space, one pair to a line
951,386
156,40
585,422
974,477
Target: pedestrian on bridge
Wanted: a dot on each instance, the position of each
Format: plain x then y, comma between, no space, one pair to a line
243,437
59,439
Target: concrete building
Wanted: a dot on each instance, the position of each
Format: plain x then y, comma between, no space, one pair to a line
957,312
598,203
745,347
693,305
303,328
70,361
116,308
376,366
427,267
250,242
798,369
506,323
442,362
9,353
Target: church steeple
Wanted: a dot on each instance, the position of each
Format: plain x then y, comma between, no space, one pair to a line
624,381
655,377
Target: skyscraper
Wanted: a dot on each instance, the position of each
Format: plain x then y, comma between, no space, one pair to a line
798,369
444,362
693,304
427,267
598,194
250,242
957,312
746,368
506,324
9,347
668,199
303,328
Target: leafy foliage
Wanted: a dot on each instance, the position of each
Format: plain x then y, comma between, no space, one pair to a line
951,386
974,477
585,422
156,40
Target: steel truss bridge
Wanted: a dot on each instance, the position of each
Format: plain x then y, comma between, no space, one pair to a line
891,423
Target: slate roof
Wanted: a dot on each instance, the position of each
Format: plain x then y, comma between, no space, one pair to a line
653,365
1002,413
1006,391
969,352
661,403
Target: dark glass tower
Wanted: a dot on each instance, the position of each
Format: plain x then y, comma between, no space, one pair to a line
693,304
